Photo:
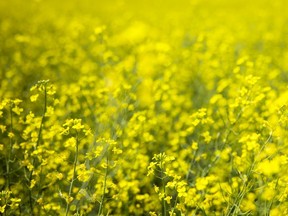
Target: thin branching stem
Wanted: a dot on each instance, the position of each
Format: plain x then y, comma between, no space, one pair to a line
104,187
74,174
8,159
36,146
164,210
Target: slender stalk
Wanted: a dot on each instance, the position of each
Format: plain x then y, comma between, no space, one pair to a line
234,209
74,174
31,202
40,132
43,116
6,201
174,205
8,159
192,162
37,144
164,209
104,188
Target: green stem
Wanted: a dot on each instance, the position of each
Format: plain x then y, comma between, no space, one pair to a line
74,173
37,144
104,188
9,150
174,204
43,117
40,132
164,210
31,202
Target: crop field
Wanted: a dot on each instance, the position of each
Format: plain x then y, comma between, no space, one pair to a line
144,107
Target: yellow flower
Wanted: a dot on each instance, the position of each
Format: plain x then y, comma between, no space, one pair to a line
34,98
207,137
78,126
2,208
17,110
270,167
194,146
168,199
117,151
2,128
32,183
156,189
11,135
71,142
49,111
201,183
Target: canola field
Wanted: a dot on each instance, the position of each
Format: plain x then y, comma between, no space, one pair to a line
144,107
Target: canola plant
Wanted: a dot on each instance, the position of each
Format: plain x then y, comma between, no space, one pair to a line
144,107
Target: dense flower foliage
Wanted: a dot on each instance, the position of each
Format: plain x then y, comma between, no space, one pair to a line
144,107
